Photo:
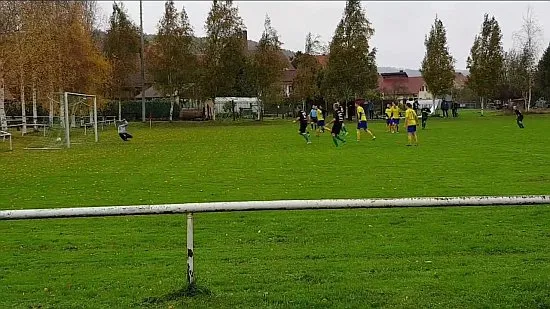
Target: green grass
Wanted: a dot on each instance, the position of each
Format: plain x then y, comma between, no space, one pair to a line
402,258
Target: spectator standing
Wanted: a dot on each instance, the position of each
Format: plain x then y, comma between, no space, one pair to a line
445,108
370,109
454,109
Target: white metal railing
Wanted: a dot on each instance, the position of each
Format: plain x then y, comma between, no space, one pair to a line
190,208
4,135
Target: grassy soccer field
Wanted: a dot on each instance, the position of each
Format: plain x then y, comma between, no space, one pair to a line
402,258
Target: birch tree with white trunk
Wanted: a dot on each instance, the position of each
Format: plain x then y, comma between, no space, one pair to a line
528,39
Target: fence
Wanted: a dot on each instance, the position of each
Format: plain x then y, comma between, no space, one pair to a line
191,208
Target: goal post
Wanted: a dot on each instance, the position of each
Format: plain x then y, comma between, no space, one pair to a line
69,113
73,118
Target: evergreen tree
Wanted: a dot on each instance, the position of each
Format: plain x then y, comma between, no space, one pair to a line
486,60
122,47
224,60
173,63
543,74
438,64
269,65
351,70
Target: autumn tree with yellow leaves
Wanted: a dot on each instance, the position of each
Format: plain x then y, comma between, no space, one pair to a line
47,47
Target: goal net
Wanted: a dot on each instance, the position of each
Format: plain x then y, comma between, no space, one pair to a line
72,120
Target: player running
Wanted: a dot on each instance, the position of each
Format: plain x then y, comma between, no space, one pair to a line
425,113
338,120
519,117
344,129
313,117
362,122
411,119
302,117
320,121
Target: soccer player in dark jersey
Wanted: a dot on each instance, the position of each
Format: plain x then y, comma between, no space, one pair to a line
425,113
302,117
519,117
338,120
344,129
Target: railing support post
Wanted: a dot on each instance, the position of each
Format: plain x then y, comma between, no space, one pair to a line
190,269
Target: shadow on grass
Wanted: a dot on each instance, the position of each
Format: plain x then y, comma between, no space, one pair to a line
186,292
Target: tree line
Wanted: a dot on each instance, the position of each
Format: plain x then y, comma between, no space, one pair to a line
48,47
494,73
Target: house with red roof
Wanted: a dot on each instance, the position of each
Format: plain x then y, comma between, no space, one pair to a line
399,85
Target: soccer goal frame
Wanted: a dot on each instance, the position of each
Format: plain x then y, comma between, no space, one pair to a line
66,116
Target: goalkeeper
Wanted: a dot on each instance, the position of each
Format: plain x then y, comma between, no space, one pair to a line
122,130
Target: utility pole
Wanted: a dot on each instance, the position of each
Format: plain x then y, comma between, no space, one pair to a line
142,63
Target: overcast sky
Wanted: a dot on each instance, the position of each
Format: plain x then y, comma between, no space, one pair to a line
400,27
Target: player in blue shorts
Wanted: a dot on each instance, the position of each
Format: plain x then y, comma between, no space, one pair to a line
362,122
395,117
411,119
320,121
387,114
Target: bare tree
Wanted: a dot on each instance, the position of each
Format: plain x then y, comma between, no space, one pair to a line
528,40
313,44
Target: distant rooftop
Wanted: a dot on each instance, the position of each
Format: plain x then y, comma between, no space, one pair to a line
394,74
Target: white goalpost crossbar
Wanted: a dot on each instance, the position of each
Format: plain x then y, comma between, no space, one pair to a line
190,208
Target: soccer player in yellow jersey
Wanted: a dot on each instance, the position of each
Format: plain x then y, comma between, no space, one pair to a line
320,121
388,117
411,119
395,117
362,121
